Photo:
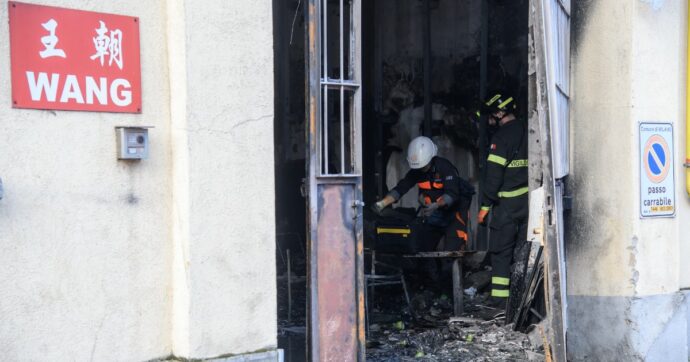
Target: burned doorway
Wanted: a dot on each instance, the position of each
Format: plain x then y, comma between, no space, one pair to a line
437,70
330,177
420,75
290,173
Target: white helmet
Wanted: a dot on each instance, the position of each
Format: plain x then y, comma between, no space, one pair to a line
420,152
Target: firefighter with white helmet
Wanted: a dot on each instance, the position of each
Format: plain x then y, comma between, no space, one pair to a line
445,197
420,152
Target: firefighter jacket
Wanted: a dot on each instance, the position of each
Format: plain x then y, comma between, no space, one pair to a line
506,169
441,183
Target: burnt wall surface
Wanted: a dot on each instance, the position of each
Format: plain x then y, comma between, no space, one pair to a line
289,132
624,272
392,56
393,68
579,14
455,47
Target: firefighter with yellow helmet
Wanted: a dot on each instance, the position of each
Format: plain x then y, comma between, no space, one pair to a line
505,192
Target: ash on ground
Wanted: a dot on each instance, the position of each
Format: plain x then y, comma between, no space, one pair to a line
424,331
435,335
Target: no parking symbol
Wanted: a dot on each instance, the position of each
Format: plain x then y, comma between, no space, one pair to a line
657,187
656,160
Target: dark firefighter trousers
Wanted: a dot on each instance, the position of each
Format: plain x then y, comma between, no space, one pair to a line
508,235
451,223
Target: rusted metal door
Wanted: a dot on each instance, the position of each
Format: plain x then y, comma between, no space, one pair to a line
336,279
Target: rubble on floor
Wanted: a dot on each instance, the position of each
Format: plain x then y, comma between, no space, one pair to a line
435,335
432,334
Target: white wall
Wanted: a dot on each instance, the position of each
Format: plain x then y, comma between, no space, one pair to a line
601,229
110,260
658,95
84,238
230,260
628,69
624,272
681,141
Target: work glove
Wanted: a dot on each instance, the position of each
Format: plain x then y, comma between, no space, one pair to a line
427,210
481,217
424,201
378,207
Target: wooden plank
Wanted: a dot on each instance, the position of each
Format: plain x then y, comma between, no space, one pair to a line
438,254
457,287
465,320
289,286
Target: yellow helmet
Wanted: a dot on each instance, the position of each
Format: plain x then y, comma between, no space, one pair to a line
499,102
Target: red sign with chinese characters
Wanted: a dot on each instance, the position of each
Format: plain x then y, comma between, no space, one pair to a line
74,60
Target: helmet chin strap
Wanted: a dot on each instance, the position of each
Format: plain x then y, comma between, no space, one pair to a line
506,118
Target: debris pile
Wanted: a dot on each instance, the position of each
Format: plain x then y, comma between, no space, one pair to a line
427,329
435,335
457,342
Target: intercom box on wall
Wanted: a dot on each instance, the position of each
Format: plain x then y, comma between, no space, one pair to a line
132,143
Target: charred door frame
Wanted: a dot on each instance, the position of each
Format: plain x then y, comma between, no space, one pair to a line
334,207
543,173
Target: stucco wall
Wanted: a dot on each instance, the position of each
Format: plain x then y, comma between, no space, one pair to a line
84,238
620,78
601,228
110,260
658,95
230,264
681,141
624,272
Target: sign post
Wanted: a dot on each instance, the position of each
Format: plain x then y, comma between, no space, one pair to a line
74,60
657,184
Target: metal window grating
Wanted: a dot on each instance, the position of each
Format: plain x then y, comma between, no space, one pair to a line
340,87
